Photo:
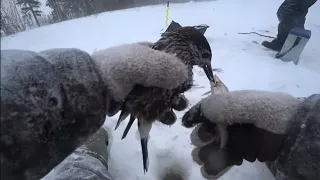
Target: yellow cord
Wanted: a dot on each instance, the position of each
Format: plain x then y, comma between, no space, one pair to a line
167,14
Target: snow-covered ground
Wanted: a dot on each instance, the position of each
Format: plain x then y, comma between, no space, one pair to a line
245,65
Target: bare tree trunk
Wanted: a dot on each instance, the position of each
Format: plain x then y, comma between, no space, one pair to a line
57,10
18,17
34,14
62,13
4,25
11,21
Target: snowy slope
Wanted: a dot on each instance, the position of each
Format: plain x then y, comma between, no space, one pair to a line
245,64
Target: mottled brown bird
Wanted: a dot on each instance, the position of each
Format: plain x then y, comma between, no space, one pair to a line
149,104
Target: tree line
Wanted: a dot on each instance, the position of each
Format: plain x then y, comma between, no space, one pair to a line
19,15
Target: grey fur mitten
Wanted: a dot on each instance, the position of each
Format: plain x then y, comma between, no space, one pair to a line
125,66
238,125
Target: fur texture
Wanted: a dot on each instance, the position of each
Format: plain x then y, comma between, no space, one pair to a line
51,102
300,156
238,107
125,66
146,43
278,128
243,140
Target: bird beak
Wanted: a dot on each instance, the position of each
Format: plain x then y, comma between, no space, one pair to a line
144,128
208,70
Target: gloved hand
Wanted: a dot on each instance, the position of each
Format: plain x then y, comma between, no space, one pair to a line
123,67
53,100
238,125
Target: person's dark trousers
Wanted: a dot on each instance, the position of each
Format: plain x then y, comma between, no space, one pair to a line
291,13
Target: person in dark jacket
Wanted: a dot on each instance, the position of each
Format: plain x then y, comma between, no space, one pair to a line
54,102
291,13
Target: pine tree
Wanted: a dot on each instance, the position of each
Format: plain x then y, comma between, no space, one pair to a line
30,6
57,10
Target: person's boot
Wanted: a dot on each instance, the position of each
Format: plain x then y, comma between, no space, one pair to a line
98,145
274,45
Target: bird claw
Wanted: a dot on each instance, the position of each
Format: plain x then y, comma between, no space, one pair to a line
144,128
126,130
123,115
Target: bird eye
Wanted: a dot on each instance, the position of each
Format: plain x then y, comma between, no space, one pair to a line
206,55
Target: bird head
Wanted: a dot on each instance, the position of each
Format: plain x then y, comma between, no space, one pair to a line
190,45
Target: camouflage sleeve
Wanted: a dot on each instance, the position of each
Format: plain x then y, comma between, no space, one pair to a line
79,165
50,102
300,156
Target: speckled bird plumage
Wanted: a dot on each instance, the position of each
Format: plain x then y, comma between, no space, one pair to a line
150,103
189,45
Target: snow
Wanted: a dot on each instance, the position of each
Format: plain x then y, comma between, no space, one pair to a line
45,9
245,65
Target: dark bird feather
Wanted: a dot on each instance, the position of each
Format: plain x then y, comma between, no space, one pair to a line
191,47
149,104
